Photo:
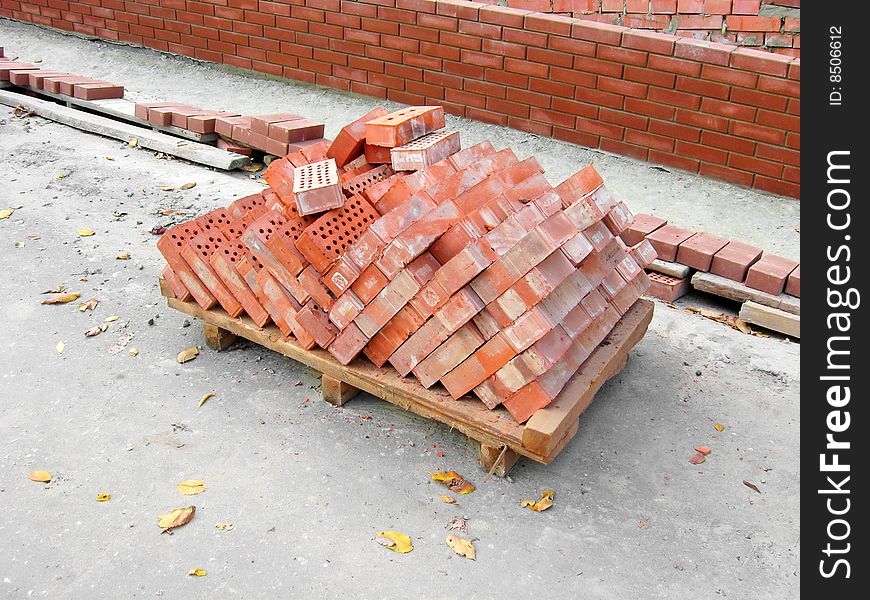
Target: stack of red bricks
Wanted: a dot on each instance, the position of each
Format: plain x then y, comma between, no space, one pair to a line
277,134
56,82
464,267
701,251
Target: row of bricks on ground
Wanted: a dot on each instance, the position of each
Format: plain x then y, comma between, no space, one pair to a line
56,82
653,7
318,327
701,251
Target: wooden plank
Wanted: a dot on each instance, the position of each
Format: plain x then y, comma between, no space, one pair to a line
670,268
217,338
771,318
547,426
732,290
335,391
153,140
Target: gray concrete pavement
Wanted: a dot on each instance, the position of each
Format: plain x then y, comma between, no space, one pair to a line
306,485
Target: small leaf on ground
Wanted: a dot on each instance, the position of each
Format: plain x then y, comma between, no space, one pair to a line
104,497
187,355
458,524
96,330
395,541
197,572
192,487
39,476
61,297
89,305
188,185
454,481
111,318
123,256
6,213
204,398
134,351
719,427
541,505
60,347
448,499
462,547
224,526
86,232
176,518
751,486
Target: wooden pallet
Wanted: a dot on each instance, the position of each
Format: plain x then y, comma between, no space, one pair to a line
502,440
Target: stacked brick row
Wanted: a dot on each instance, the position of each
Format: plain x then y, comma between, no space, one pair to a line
705,252
56,82
277,134
773,26
715,109
464,267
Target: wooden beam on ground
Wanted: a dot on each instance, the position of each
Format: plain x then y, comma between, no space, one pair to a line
771,318
732,290
335,391
153,140
670,268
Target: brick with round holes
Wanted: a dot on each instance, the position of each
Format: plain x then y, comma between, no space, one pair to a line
425,151
223,261
257,238
331,234
198,253
363,181
170,245
667,288
316,187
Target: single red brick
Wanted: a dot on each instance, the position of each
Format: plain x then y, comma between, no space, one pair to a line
667,288
274,298
448,355
770,274
98,91
378,154
583,182
733,261
36,79
360,183
197,253
261,123
174,283
697,251
170,245
402,126
642,226
425,151
644,253
349,142
478,367
348,344
224,262
294,130
6,66
793,285
314,320
312,281
369,284
667,239
316,187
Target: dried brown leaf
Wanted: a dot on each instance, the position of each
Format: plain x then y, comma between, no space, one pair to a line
751,486
176,518
61,298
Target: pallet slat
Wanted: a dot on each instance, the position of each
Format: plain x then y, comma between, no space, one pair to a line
732,290
771,318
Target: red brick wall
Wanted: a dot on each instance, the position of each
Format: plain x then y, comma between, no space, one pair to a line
722,111
772,25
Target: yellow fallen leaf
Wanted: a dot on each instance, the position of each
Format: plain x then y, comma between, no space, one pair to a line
86,232
176,518
188,354
133,142
21,244
39,476
224,526
60,346
454,481
543,504
395,541
188,185
103,497
6,213
134,351
89,305
96,330
462,547
123,256
197,572
111,318
192,487
61,298
448,499
719,427
204,398
253,168
166,188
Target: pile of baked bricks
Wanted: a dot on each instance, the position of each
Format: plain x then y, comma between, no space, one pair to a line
459,266
701,251
276,134
56,82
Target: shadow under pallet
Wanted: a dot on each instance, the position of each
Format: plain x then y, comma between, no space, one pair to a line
502,440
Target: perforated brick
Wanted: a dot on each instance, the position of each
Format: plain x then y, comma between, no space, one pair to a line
363,181
224,261
332,234
402,126
424,151
197,253
170,245
316,187
667,288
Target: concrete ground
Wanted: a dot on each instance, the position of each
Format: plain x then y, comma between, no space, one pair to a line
307,485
